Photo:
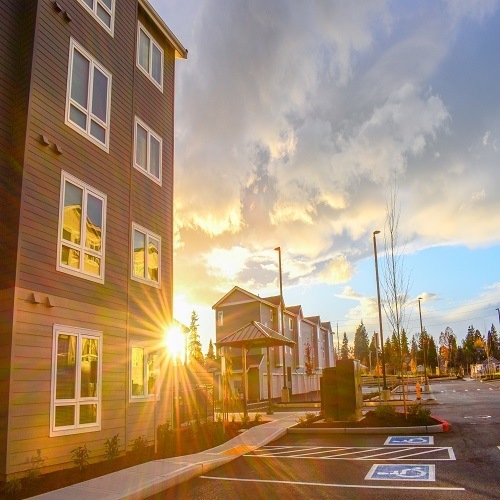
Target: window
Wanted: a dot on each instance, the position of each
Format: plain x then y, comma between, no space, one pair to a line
103,11
146,256
150,57
290,323
144,371
82,222
88,96
76,381
147,157
220,318
271,314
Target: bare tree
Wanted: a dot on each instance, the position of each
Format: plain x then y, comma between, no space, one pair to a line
396,277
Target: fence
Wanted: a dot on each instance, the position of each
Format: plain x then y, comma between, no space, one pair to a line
196,403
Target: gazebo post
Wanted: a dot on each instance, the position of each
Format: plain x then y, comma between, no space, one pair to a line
244,379
270,407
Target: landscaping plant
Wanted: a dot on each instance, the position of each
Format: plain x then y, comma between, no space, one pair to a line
81,457
112,447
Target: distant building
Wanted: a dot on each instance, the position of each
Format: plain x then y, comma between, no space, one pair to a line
86,209
238,307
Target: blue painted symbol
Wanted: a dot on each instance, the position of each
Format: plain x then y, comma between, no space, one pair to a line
406,472
409,440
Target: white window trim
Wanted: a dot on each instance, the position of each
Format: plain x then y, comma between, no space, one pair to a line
153,41
148,233
148,349
93,12
86,133
77,429
150,132
86,189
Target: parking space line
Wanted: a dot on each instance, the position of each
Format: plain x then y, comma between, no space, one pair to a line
335,485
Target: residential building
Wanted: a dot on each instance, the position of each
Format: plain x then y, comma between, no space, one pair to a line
86,208
312,338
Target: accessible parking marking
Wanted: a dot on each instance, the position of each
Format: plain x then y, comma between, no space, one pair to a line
413,440
406,472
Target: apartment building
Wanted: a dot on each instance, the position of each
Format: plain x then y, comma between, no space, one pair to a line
313,344
86,230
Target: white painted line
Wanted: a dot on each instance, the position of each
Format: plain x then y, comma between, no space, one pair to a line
363,453
406,472
334,485
407,440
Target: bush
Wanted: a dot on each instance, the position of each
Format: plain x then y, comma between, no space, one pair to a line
36,463
13,486
80,457
308,419
112,447
387,413
258,417
245,421
419,415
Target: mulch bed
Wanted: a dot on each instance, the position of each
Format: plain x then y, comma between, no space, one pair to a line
185,444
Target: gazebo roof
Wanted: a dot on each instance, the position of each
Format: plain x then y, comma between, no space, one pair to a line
253,336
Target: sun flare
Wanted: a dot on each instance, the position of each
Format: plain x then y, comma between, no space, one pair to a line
175,342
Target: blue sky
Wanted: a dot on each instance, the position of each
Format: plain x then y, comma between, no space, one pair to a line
292,121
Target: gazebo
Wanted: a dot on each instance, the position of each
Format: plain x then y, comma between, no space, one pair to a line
254,335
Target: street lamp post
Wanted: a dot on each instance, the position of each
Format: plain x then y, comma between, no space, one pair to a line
379,311
285,396
424,344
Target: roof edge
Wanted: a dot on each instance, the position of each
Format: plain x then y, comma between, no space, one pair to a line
180,51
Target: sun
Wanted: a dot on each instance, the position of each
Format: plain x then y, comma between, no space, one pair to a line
175,342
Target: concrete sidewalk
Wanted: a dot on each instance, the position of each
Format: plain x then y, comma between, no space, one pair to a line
144,480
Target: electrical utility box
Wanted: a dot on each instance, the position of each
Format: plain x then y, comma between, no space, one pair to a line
341,395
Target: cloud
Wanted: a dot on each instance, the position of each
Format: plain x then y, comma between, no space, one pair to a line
291,119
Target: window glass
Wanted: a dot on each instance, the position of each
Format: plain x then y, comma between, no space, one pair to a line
153,250
146,264
102,10
80,79
141,147
82,231
104,16
88,111
137,371
66,367
156,64
100,95
155,157
150,57
72,216
76,379
139,253
144,43
90,3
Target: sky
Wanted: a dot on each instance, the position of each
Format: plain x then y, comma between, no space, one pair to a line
293,120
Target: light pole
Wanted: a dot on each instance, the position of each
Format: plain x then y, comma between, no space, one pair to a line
424,344
285,397
379,311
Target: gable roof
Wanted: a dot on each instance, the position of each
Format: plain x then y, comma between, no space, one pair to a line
250,295
296,310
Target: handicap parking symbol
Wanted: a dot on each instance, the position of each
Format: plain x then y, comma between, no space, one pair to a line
405,472
409,440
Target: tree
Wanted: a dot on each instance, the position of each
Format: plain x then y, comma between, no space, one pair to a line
396,279
211,352
492,342
361,348
431,353
194,345
447,344
308,361
344,351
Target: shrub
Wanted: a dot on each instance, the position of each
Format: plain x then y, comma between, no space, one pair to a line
13,486
308,419
81,457
387,413
36,463
245,420
419,415
258,417
140,444
112,447
165,436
